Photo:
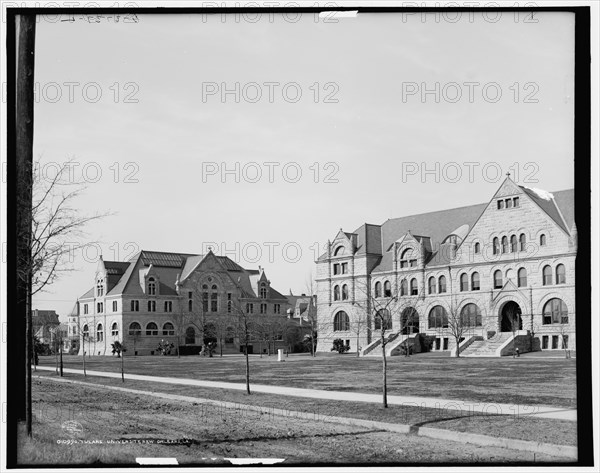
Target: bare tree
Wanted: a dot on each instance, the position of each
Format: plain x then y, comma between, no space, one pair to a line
458,324
245,331
311,314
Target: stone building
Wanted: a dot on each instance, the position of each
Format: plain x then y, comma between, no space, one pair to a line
186,299
504,269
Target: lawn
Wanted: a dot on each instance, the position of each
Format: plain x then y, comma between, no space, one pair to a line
522,380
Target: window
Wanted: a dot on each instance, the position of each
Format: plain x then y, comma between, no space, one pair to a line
339,251
561,277
522,242
85,308
504,244
378,289
151,329
508,203
336,293
190,295
477,248
190,305
431,285
522,277
135,329
214,299
86,331
565,342
542,240
407,260
513,244
135,306
470,316
168,329
442,284
190,336
229,335
344,268
100,287
438,318
263,308
496,246
336,268
554,342
341,322
383,318
100,307
249,308
500,204
545,342
205,298
229,302
151,287
114,306
547,275
555,312
277,308
409,321
475,281
464,282
151,306
168,306
498,279
263,290
404,288
345,292
114,330
99,333
515,201
387,289
414,287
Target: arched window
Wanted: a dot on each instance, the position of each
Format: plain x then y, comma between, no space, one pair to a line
151,287
387,289
513,244
522,242
504,244
496,246
214,306
100,287
404,288
340,251
555,312
561,277
522,277
383,318
542,239
190,336
407,258
431,285
263,290
547,275
86,331
464,282
114,330
205,297
498,279
341,322
442,284
336,293
414,287
168,329
475,285
477,248
151,329
438,318
378,289
345,292
409,321
135,329
99,333
470,316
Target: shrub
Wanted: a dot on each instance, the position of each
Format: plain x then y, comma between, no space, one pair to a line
338,345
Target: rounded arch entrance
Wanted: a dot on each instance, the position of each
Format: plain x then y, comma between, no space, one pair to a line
510,317
409,321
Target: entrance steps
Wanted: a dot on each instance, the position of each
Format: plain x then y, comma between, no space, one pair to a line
393,346
488,347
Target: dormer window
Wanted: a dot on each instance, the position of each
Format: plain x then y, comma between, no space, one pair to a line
340,251
407,260
263,290
151,287
100,287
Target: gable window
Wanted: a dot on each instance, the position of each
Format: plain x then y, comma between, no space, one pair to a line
263,290
522,242
500,204
555,312
214,299
151,306
114,306
85,308
542,240
336,269
431,285
477,248
547,275
151,329
442,284
151,286
515,201
378,289
522,277
406,260
513,244
504,244
345,292
135,329
341,322
496,246
387,289
168,306
100,287
498,279
205,297
339,251
475,281
114,330
229,302
561,277
414,287
509,203
336,293
464,282
168,329
99,333
135,306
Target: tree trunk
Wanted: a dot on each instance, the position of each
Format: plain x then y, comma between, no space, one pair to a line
247,370
83,351
122,366
221,346
61,362
385,402
178,351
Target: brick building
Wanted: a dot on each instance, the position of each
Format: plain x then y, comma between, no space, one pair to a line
505,269
186,299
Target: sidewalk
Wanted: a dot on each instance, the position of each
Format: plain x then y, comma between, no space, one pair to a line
489,408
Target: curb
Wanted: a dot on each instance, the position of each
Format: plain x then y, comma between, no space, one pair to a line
439,434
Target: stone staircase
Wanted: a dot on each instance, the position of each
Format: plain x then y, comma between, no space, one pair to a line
486,347
374,348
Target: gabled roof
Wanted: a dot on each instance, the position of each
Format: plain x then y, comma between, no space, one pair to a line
547,204
116,267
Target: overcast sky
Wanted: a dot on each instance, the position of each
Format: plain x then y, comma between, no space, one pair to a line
357,128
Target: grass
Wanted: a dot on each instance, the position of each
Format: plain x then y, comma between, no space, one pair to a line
525,380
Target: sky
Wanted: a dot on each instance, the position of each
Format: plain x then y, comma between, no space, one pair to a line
358,120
